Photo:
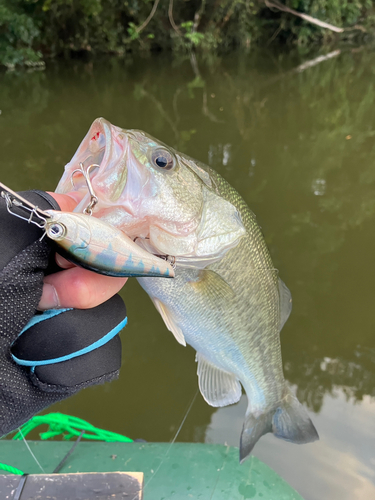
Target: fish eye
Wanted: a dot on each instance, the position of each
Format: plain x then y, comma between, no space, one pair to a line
56,231
163,159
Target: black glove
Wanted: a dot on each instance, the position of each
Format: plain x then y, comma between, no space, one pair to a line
59,351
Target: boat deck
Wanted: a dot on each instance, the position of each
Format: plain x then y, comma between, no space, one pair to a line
188,471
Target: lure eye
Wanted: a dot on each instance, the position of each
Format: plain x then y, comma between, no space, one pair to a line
56,231
163,159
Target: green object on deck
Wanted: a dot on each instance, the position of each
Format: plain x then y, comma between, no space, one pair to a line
183,471
12,470
69,426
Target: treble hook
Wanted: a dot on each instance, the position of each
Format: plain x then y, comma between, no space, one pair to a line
86,174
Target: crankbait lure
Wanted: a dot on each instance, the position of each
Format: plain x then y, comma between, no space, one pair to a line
88,241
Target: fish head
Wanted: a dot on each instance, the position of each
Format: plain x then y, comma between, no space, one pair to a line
156,195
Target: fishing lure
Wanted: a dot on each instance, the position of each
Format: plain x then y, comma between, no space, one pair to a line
88,241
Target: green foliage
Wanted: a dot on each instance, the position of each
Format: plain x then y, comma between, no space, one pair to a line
18,31
132,30
193,36
32,29
341,13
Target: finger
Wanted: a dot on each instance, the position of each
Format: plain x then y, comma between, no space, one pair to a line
62,262
78,288
67,202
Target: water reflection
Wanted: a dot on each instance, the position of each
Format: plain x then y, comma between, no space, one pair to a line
345,468
300,148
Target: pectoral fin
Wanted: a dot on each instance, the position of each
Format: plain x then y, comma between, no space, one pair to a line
218,388
212,285
169,321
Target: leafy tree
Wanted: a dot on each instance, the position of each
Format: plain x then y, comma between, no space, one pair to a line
32,30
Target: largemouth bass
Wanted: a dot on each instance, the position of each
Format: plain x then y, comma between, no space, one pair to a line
226,299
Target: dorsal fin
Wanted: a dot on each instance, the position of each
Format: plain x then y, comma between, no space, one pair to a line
285,303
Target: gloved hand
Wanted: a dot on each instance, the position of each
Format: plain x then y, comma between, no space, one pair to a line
60,351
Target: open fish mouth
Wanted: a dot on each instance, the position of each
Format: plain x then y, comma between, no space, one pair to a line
97,142
104,147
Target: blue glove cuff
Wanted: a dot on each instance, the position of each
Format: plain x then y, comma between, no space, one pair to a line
46,315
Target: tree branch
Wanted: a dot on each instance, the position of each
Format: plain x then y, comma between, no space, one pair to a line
277,5
170,15
145,23
315,61
228,14
198,15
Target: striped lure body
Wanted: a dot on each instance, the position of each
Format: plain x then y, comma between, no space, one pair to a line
98,246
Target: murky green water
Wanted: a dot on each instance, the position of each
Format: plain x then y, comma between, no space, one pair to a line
299,145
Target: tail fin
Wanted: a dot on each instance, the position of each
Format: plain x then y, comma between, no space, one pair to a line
288,421
253,429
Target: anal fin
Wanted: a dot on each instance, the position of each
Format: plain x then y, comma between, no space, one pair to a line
169,321
218,388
